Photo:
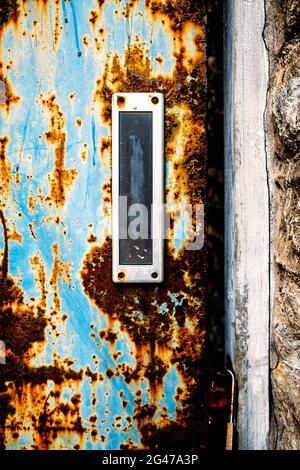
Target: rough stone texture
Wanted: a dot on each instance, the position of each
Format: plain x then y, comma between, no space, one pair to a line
282,36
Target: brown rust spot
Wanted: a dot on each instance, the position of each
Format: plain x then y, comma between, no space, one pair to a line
121,100
32,231
155,371
136,308
13,234
61,179
128,445
177,13
59,270
92,375
141,412
128,302
9,12
60,418
109,335
93,17
106,189
105,151
128,9
129,373
109,373
84,152
5,172
31,202
7,95
91,238
22,325
57,26
39,269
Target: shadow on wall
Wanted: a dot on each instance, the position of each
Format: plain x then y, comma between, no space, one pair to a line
215,184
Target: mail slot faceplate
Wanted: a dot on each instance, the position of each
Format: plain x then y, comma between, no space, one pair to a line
137,187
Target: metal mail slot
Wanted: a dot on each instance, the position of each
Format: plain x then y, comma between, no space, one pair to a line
137,187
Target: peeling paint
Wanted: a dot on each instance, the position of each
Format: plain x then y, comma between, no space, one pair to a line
91,364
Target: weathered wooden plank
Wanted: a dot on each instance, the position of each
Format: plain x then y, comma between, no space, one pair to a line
247,218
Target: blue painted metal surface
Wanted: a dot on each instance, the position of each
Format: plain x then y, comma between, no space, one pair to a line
80,373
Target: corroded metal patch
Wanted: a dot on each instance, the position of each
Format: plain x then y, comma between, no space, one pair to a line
90,364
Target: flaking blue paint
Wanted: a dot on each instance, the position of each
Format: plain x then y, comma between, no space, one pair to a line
61,70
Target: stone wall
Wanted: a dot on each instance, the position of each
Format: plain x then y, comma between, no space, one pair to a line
282,39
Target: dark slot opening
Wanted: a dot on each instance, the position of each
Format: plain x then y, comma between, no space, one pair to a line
135,182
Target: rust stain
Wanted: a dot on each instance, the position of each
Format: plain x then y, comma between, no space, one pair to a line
176,13
9,15
137,307
55,417
108,335
23,325
100,4
57,26
125,304
106,189
92,238
185,98
105,150
32,231
43,5
85,40
128,8
160,339
31,203
121,101
10,96
62,178
93,18
13,234
9,12
5,172
84,152
59,270
38,267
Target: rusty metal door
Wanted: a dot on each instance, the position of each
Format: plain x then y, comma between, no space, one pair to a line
87,363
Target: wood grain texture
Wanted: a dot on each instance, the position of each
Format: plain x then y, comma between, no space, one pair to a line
247,218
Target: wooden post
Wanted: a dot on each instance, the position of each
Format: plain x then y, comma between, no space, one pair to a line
247,245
